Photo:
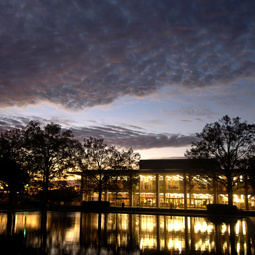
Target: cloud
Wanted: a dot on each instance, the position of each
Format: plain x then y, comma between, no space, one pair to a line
196,110
12,122
185,120
121,137
131,138
85,53
201,110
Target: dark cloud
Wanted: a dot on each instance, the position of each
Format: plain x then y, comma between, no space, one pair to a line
118,136
132,138
86,53
7,123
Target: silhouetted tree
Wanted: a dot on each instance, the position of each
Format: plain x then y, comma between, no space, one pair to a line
230,142
95,161
251,172
51,152
124,180
130,162
13,174
100,163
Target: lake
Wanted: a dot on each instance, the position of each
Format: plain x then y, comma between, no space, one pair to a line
115,233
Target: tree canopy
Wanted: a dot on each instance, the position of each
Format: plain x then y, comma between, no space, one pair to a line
40,155
229,141
13,171
51,151
100,162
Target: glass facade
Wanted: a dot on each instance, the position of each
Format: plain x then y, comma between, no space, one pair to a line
175,188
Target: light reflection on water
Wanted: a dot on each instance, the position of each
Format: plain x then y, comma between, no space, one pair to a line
112,233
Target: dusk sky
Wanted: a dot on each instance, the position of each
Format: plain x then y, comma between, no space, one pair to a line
146,74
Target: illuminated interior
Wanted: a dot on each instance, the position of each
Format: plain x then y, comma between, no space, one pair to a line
169,192
170,184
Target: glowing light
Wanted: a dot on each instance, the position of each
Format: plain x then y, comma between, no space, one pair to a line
223,228
236,199
237,227
244,227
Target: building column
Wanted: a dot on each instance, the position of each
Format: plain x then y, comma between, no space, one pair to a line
185,190
246,200
82,187
157,191
140,179
215,192
131,202
164,188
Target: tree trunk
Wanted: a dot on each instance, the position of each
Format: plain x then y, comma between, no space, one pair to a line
46,187
230,196
100,193
230,191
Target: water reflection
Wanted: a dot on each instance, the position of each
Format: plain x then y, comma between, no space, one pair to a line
91,233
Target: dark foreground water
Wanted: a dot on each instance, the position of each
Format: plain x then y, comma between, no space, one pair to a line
92,233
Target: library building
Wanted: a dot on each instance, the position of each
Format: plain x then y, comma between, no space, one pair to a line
173,183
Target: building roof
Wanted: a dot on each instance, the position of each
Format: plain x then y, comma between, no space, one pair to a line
152,166
173,164
165,164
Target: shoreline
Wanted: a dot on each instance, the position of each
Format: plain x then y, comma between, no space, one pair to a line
131,210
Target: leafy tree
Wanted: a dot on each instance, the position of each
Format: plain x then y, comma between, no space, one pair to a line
51,152
116,185
97,158
102,163
13,174
230,142
125,179
130,162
